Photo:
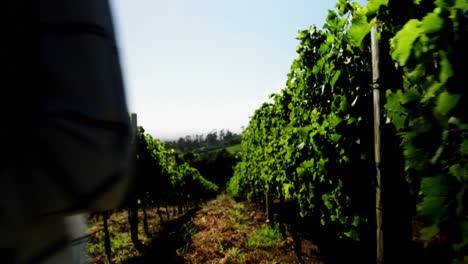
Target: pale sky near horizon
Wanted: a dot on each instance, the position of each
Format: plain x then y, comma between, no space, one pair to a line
191,67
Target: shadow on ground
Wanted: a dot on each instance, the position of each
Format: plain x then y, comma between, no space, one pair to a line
333,250
311,239
163,248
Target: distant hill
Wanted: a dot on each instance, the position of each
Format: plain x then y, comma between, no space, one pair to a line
213,154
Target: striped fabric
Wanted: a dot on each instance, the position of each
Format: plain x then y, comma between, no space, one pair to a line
66,149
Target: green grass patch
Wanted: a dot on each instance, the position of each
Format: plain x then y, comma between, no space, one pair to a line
121,245
238,215
236,254
266,237
234,149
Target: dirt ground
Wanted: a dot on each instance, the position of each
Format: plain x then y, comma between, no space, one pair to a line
221,231
222,239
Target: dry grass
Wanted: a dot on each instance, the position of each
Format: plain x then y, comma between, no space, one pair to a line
224,229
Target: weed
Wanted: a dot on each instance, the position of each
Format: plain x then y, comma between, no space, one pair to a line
266,237
220,246
185,236
238,216
95,248
236,254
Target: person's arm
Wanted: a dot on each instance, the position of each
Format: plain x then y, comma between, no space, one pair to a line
84,129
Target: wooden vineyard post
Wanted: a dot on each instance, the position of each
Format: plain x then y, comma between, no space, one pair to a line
268,208
377,142
133,201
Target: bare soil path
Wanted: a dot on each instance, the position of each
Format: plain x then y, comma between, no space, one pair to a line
221,231
231,232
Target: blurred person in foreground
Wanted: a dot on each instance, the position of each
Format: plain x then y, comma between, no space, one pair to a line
66,129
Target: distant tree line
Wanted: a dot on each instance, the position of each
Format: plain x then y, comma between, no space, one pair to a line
204,143
216,166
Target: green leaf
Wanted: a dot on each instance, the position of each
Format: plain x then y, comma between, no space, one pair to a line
460,172
402,43
360,28
344,104
455,170
373,7
430,94
417,73
335,137
286,188
316,69
345,158
322,163
428,233
331,16
395,110
444,3
303,34
461,4
352,234
330,38
446,102
324,50
335,120
342,6
322,221
438,154
435,193
446,70
356,221
464,146
335,77
432,23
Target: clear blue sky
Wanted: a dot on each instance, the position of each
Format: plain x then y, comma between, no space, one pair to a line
194,66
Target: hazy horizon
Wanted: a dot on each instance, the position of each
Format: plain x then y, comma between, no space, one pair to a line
176,136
